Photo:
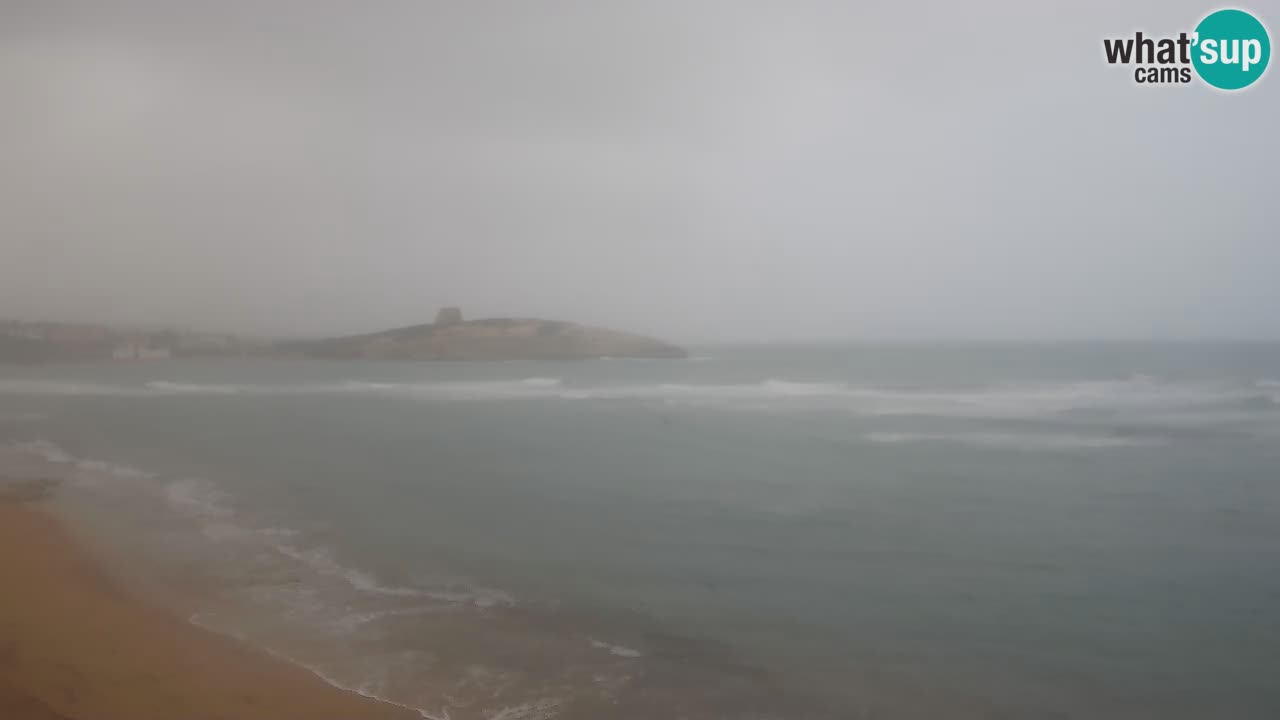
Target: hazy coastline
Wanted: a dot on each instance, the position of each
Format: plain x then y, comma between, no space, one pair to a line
448,338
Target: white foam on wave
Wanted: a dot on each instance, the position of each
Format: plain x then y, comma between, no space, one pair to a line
354,620
364,689
1012,400
698,394
1137,395
163,386
115,470
206,503
212,516
542,709
90,471
194,496
1004,400
17,386
322,561
532,386
1013,441
45,449
1036,399
71,388
613,649
480,597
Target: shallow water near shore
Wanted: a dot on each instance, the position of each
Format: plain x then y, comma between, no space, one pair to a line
978,531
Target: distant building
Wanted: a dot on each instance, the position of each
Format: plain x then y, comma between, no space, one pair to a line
205,344
24,332
75,334
29,331
139,349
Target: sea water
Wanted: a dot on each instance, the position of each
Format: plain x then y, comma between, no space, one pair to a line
1042,531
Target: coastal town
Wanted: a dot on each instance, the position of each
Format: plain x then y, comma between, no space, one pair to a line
37,342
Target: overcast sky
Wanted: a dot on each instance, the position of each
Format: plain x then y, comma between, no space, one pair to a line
732,170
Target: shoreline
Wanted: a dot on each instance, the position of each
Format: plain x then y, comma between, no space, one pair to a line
75,644
57,502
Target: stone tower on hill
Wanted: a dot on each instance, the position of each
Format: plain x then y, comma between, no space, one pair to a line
451,315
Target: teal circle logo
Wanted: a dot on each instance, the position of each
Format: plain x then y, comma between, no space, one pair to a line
1231,49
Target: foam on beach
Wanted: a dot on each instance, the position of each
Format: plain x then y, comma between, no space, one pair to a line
63,639
306,603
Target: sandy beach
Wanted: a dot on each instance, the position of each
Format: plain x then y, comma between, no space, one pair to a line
77,645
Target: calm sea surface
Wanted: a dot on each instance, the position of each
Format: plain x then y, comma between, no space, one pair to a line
988,531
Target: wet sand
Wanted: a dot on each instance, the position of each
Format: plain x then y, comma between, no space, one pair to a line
75,645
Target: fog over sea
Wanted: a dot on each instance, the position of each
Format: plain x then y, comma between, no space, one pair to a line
954,531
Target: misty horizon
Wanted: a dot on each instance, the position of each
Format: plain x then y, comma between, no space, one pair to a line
697,359
699,172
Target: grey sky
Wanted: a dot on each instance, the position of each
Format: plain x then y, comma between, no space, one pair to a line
699,170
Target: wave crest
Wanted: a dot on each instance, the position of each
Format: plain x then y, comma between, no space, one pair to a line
1139,394
1012,441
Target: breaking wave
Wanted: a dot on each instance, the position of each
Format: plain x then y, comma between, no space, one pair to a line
205,503
533,386
196,497
19,386
1138,394
322,561
88,467
1013,441
614,649
46,450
